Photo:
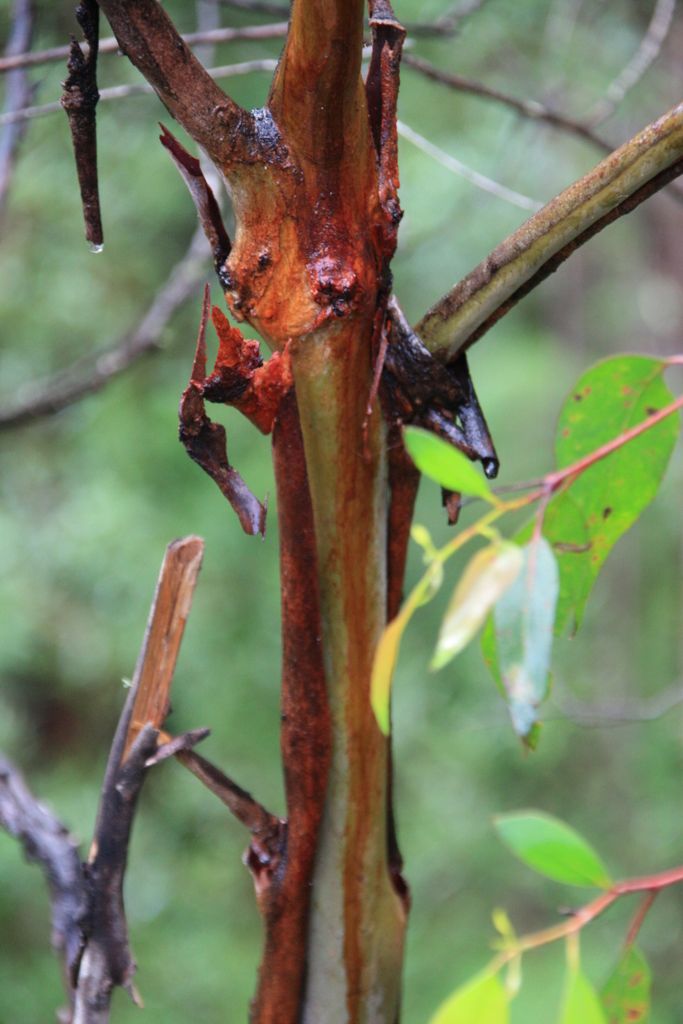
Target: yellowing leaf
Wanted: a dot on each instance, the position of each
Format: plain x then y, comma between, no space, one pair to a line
383,667
487,576
482,1000
626,995
580,1004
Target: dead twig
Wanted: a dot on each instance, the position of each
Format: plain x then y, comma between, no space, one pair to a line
47,842
18,94
107,961
79,99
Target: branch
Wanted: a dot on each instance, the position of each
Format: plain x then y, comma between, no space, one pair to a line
111,45
107,960
18,93
616,186
149,39
90,375
47,842
253,815
650,884
79,99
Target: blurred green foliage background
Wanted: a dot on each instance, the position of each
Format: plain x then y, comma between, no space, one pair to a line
91,497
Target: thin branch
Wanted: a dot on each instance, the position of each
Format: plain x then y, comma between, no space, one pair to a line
620,712
260,822
18,94
57,54
120,92
48,842
90,375
639,916
643,58
480,181
531,109
527,108
258,7
649,884
616,186
447,24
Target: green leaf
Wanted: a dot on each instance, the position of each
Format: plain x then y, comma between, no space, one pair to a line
442,462
584,522
523,620
580,1003
486,577
626,994
552,848
480,1001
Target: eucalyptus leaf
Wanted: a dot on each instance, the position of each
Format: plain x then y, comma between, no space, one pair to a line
442,462
523,620
580,1003
626,994
552,848
584,522
482,1000
485,579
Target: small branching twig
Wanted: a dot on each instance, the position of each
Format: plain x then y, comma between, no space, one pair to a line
579,918
79,99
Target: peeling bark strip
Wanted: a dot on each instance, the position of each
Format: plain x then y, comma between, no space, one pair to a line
79,99
205,442
203,198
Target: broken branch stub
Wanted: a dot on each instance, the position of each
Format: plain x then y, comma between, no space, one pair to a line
79,99
420,389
